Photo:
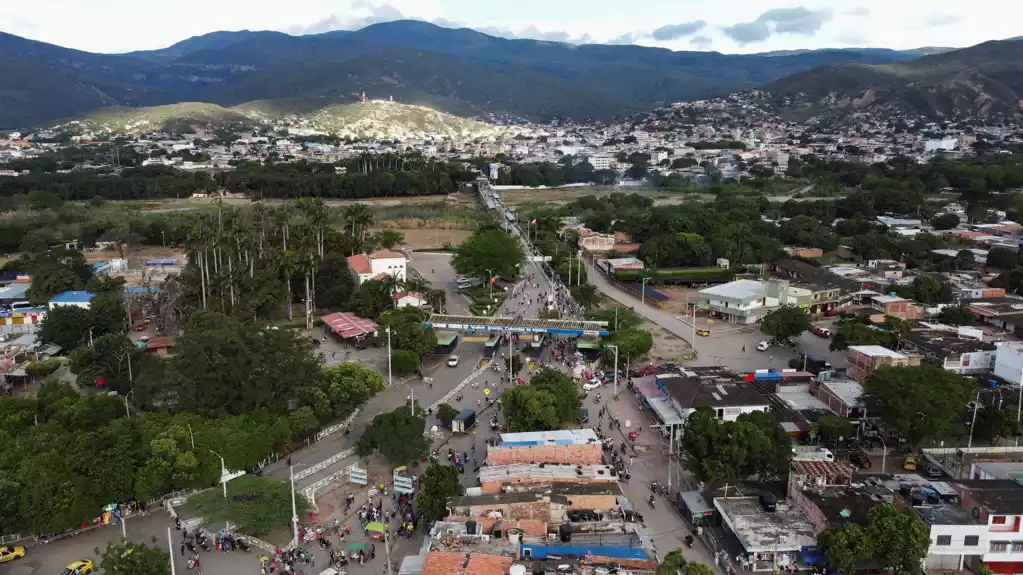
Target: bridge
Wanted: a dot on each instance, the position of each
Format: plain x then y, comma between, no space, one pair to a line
517,325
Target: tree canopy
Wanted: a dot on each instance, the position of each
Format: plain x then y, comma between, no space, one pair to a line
132,558
489,250
719,451
397,435
785,323
895,538
438,484
920,403
548,401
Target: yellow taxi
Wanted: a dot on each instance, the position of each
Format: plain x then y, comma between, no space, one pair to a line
703,332
909,464
80,567
11,553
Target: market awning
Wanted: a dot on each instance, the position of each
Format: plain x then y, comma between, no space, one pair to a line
347,324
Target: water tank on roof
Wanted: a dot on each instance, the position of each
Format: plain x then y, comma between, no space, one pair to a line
565,532
517,570
514,535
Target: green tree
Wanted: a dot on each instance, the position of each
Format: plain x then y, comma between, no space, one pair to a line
964,260
674,563
548,401
945,221
397,435
920,403
489,249
388,239
901,539
617,318
349,385
834,427
334,283
66,326
373,297
846,547
785,323
223,365
718,451
632,343
131,558
407,331
958,314
858,333
931,290
404,362
437,485
446,414
108,359
43,368
1001,258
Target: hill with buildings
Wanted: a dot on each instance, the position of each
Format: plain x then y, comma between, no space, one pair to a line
370,119
459,71
982,80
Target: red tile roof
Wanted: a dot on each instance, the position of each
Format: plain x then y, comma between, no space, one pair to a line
360,263
452,563
823,468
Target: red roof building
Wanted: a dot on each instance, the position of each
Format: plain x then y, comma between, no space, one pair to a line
348,325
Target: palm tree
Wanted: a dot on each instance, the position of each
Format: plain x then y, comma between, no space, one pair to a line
417,285
357,218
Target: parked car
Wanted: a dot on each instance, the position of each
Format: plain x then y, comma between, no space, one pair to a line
453,361
822,332
762,346
860,459
932,470
909,464
703,332
831,313
11,553
80,567
591,385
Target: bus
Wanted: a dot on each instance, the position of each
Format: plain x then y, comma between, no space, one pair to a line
447,341
589,346
539,339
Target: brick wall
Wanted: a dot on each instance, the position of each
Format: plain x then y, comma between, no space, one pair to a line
576,454
492,487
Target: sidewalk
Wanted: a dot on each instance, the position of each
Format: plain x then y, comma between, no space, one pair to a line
664,527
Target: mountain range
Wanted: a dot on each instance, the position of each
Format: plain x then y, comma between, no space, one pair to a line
460,71
983,80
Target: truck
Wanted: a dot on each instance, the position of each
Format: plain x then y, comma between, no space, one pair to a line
811,453
463,421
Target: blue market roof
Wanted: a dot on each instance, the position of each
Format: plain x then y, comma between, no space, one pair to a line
72,297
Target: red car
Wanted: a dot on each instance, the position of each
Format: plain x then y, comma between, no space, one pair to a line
822,332
831,313
860,460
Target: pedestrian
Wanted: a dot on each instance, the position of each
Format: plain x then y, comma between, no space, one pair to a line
182,548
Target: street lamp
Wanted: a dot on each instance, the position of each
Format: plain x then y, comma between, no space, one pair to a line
411,399
642,295
388,330
973,421
490,283
615,347
90,337
884,454
294,511
127,411
223,472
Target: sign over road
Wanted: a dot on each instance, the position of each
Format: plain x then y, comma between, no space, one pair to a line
516,325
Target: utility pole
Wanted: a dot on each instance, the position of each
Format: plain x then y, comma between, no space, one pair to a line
671,447
387,550
642,296
388,330
170,549
294,512
615,394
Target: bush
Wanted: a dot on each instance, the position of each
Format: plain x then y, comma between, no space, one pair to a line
404,362
42,368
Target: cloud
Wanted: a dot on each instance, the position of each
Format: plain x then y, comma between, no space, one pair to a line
797,20
701,42
939,19
533,33
627,38
859,12
372,14
676,31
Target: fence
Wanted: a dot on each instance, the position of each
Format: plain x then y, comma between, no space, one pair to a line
5,539
325,463
637,293
310,492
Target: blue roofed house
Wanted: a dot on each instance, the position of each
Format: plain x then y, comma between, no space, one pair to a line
80,299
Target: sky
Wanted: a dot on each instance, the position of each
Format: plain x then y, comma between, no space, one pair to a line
729,26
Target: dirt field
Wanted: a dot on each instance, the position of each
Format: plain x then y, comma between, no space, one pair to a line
667,346
423,238
195,203
134,255
566,195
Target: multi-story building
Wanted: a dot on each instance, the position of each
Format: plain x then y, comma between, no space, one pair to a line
863,360
899,307
574,446
745,301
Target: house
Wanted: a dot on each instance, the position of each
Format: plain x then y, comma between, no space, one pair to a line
610,267
80,299
158,346
410,299
745,301
947,349
377,265
595,241
843,396
804,252
862,360
1001,312
899,307
725,394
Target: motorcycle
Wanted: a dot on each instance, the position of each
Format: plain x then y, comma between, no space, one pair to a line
651,501
193,562
458,397
689,541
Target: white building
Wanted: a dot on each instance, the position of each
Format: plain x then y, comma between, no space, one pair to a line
946,144
745,301
1009,362
409,299
378,264
600,162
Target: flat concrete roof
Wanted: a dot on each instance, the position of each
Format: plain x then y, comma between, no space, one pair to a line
759,531
738,289
846,390
875,351
545,472
559,437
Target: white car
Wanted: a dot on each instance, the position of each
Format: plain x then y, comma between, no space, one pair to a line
453,361
762,346
591,385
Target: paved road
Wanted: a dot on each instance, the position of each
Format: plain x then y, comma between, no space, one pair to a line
726,342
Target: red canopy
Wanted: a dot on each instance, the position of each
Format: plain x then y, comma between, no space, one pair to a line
348,325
